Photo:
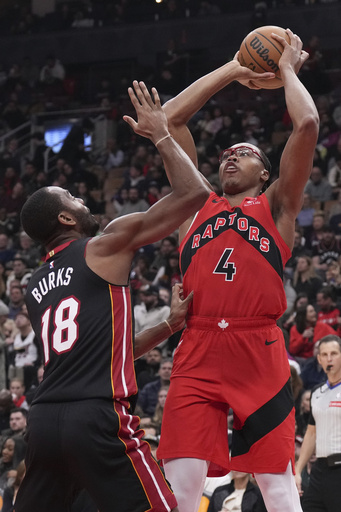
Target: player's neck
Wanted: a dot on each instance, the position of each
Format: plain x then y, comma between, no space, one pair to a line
62,239
237,199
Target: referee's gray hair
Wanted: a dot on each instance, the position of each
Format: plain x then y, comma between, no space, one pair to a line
328,339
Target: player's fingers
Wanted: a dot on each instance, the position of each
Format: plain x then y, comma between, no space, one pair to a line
139,92
279,38
156,97
146,98
132,123
133,97
189,298
304,56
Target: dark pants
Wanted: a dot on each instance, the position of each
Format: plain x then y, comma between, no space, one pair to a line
324,490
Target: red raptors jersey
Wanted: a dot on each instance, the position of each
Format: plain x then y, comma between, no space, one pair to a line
233,258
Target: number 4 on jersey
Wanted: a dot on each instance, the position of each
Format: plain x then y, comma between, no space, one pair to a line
225,266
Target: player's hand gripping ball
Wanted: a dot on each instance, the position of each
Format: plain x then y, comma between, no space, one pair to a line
260,52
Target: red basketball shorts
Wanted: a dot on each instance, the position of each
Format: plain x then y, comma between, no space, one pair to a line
242,365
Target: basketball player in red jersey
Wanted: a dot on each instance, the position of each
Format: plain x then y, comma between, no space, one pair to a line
232,353
82,433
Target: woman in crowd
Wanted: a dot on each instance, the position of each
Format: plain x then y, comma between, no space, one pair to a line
306,331
306,279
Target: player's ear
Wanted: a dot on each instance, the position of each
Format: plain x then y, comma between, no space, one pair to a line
265,175
66,218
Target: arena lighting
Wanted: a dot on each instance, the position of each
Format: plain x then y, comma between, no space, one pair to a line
158,1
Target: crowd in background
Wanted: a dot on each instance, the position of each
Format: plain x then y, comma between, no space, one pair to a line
19,18
128,176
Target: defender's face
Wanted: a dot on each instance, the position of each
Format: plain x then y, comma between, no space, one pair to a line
87,225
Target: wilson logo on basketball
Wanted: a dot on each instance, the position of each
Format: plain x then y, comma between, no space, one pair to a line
263,52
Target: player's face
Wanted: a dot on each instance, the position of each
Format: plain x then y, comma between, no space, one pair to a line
241,168
87,225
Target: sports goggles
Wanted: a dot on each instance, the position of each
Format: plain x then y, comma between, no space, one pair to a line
240,151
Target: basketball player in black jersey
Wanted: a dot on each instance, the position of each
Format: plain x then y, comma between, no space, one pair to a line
82,433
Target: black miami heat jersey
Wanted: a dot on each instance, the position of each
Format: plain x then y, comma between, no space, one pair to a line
240,269
85,327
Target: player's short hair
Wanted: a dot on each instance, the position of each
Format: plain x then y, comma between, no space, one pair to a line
39,215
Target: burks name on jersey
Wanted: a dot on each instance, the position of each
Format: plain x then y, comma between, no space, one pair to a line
61,277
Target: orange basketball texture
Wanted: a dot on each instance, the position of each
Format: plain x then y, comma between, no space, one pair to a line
261,53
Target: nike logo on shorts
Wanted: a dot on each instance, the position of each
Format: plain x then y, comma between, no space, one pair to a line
270,342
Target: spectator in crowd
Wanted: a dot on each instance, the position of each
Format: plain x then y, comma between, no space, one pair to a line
241,494
16,301
29,178
10,492
6,406
136,179
299,249
73,148
327,310
333,276
306,215
312,372
53,71
17,423
39,150
150,311
4,311
6,251
305,278
20,273
161,400
15,200
25,349
134,203
314,234
113,156
170,274
303,413
141,274
318,187
12,452
288,319
323,435
167,246
27,250
306,331
84,194
148,396
147,367
327,249
17,388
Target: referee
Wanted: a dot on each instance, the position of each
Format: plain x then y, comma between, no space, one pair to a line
324,433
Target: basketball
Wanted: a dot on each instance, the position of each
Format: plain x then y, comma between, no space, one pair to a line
261,53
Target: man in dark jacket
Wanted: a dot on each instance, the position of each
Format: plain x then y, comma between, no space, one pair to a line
239,493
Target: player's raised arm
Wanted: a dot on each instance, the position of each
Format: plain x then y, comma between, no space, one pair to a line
286,194
189,192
